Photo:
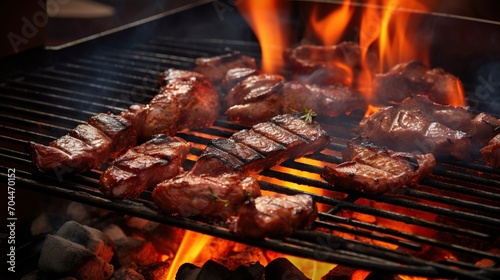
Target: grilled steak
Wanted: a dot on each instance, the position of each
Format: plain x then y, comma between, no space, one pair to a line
454,117
87,146
491,152
253,88
411,130
215,198
414,77
264,145
186,100
235,75
260,97
160,116
274,216
327,65
372,169
199,103
144,166
485,127
215,68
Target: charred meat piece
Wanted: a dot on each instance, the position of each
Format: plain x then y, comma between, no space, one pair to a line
186,100
215,68
329,101
372,169
491,152
87,146
327,65
199,103
254,88
485,127
414,77
215,198
158,159
411,131
260,97
160,116
235,75
454,117
274,216
262,146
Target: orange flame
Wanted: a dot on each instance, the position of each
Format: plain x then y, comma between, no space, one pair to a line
331,27
458,96
385,29
265,17
190,248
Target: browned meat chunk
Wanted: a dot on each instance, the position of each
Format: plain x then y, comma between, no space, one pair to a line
454,117
160,116
186,100
199,103
372,169
260,97
254,88
327,65
236,75
485,127
215,68
274,216
262,146
329,101
491,152
414,77
158,159
410,131
88,146
215,198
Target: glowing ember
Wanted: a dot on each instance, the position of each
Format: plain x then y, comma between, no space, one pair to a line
265,17
330,28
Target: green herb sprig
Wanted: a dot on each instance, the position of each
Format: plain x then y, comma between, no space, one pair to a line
308,115
217,198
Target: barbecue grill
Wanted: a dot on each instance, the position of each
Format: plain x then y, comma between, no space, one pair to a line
68,86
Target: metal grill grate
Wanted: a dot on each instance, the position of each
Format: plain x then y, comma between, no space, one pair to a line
457,203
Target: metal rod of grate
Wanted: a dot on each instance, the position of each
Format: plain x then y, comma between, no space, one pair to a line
460,198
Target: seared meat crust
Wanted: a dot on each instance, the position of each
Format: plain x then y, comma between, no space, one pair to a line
234,76
491,152
87,146
485,127
274,216
410,130
215,68
262,146
260,97
327,65
372,169
143,166
215,198
414,77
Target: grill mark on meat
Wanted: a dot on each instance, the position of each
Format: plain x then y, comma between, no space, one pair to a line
372,169
411,131
143,166
239,150
87,146
251,150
